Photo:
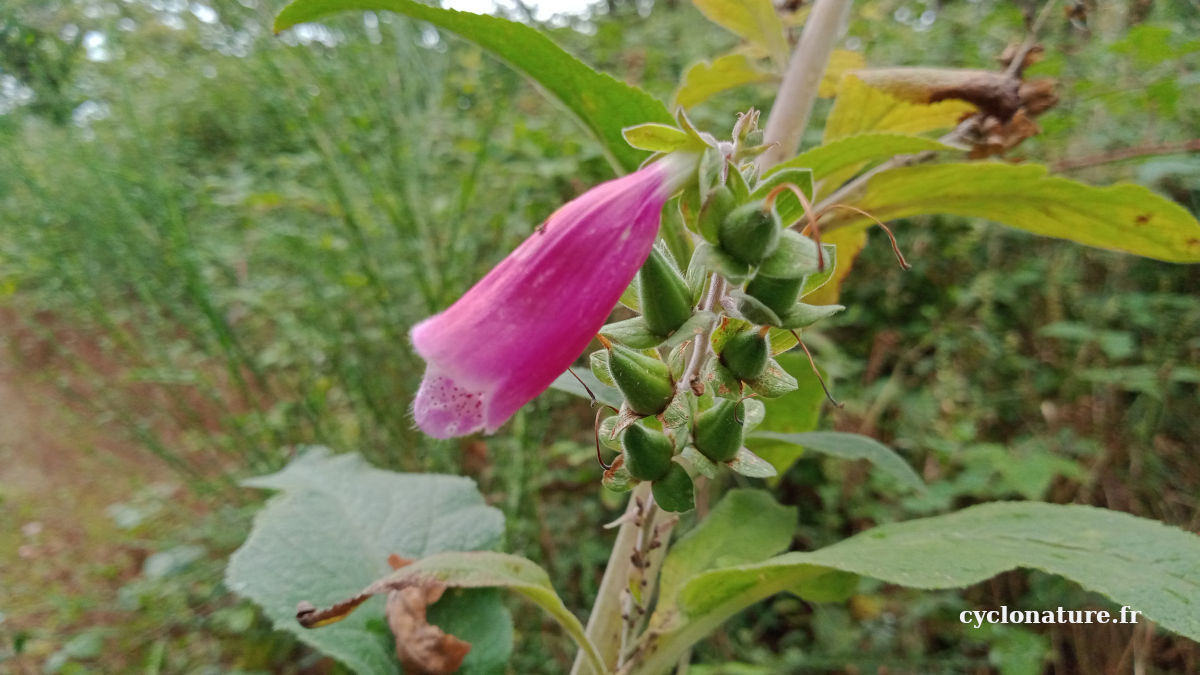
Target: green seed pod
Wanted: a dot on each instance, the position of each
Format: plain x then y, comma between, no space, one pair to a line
663,295
647,452
645,381
718,432
779,279
745,354
779,295
749,234
674,491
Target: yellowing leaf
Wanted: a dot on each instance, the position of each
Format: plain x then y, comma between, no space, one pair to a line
705,80
1121,217
841,61
755,21
860,108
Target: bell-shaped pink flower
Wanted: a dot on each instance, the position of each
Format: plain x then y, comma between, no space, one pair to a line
524,323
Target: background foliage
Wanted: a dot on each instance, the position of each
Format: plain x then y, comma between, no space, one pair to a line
213,241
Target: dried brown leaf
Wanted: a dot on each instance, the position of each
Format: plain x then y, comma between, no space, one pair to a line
422,648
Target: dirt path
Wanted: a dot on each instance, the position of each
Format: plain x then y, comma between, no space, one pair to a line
62,559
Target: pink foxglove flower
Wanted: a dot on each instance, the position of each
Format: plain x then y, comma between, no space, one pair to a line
524,323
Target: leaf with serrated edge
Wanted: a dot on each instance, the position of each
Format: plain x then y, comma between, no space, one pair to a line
1122,217
329,534
860,108
1133,561
603,104
852,446
755,21
704,80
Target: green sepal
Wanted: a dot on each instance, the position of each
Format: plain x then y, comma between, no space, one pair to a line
718,381
749,234
718,431
773,382
777,295
598,361
745,354
696,274
631,333
644,380
678,414
714,211
736,181
663,294
692,328
629,297
674,491
701,464
617,477
607,433
787,205
647,452
711,172
799,315
755,412
795,257
818,279
716,260
751,465
658,137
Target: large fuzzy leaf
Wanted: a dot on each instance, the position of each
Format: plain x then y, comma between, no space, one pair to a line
603,104
328,536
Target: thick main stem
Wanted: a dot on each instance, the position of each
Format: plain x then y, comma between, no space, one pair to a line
605,625
798,91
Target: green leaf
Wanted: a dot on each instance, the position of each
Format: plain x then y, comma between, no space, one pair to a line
1135,562
704,80
488,569
1120,217
745,526
603,104
755,21
852,446
854,151
329,534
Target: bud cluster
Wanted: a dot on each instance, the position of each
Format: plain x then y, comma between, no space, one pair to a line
694,365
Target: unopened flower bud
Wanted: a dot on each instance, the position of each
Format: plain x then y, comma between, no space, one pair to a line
745,354
647,452
645,381
674,491
749,233
663,295
718,432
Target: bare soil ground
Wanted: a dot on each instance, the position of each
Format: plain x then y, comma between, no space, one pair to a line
62,555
